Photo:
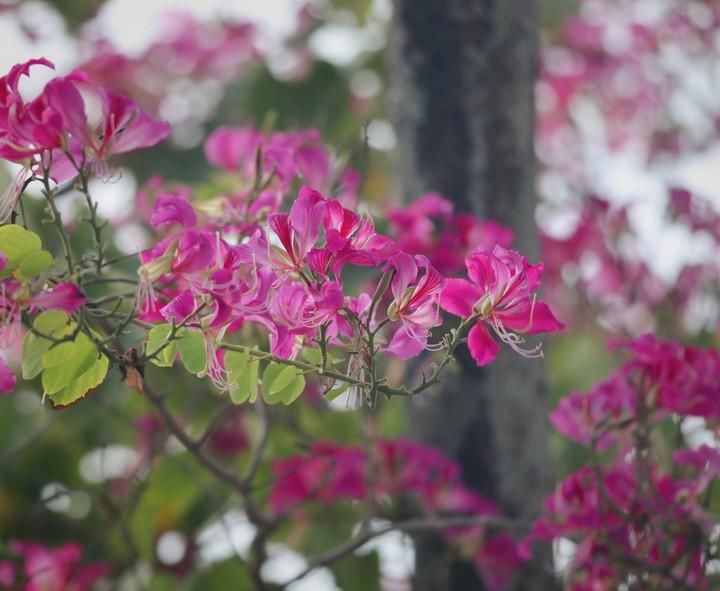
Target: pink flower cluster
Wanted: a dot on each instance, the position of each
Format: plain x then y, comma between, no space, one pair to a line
238,259
57,132
39,568
186,49
674,378
393,469
613,56
634,516
430,227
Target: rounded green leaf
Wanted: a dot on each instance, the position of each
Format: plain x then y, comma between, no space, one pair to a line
52,323
16,243
78,388
192,352
282,383
66,362
33,264
156,338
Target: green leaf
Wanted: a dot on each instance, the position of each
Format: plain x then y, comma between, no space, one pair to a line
219,575
52,323
294,389
282,383
67,362
250,379
70,369
16,243
86,382
243,372
358,572
33,264
158,336
337,391
313,356
192,352
278,378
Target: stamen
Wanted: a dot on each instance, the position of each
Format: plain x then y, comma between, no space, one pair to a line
514,340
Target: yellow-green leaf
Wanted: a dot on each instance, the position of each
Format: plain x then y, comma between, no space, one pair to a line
192,351
158,336
52,323
16,243
33,264
79,387
66,362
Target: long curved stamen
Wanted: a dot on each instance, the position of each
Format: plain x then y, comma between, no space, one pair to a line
213,369
514,340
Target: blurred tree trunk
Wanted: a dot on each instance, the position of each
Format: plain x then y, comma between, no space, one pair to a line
462,75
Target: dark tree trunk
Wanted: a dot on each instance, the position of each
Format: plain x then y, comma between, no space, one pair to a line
463,74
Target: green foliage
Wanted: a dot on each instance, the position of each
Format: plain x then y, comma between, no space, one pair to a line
218,575
282,384
70,368
192,351
243,373
358,573
164,354
23,249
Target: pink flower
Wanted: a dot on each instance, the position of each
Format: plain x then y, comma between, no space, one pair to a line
233,150
123,126
686,378
16,297
171,208
64,296
501,295
7,378
415,303
25,129
584,417
297,231
429,227
57,569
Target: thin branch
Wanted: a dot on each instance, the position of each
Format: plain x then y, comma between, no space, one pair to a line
410,525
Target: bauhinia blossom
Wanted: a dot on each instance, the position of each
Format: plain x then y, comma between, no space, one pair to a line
501,295
415,303
57,134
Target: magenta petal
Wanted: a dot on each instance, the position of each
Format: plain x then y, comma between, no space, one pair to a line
543,320
179,308
480,269
459,297
406,346
7,378
170,209
143,132
483,347
64,296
